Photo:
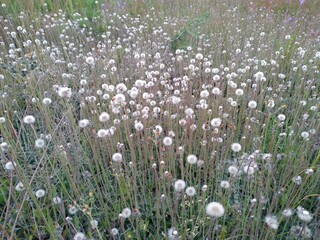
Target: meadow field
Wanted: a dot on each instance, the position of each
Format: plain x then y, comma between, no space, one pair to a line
159,119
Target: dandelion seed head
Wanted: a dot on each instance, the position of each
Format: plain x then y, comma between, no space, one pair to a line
79,236
236,147
29,119
216,122
104,117
167,141
272,222
179,185
10,166
192,159
215,209
40,193
126,212
40,143
117,157
252,104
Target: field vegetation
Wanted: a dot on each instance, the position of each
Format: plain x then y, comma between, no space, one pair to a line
144,119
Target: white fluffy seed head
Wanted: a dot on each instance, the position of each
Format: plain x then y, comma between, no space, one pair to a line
90,60
190,191
117,157
167,141
179,185
40,143
216,122
216,91
29,119
19,187
281,117
225,184
40,193
114,231
126,212
192,159
305,135
239,92
287,212
57,200
252,104
215,209
104,117
64,92
9,166
79,236
233,170
236,147
46,101
272,222
84,123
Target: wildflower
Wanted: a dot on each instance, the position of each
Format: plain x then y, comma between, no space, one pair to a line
216,122
4,146
287,212
204,94
40,193
233,170
167,141
138,126
19,187
102,133
248,169
117,157
303,214
79,236
192,159
189,112
299,231
57,200
199,56
236,147
173,234
2,120
119,98
259,75
114,231
216,91
29,119
72,209
252,104
157,130
64,92
297,180
39,143
190,191
94,224
90,60
84,123
281,117
225,184
215,209
239,92
46,101
179,185
126,212
272,222
215,78
10,166
305,135
104,117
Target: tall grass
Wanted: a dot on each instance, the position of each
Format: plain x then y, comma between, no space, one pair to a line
110,84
